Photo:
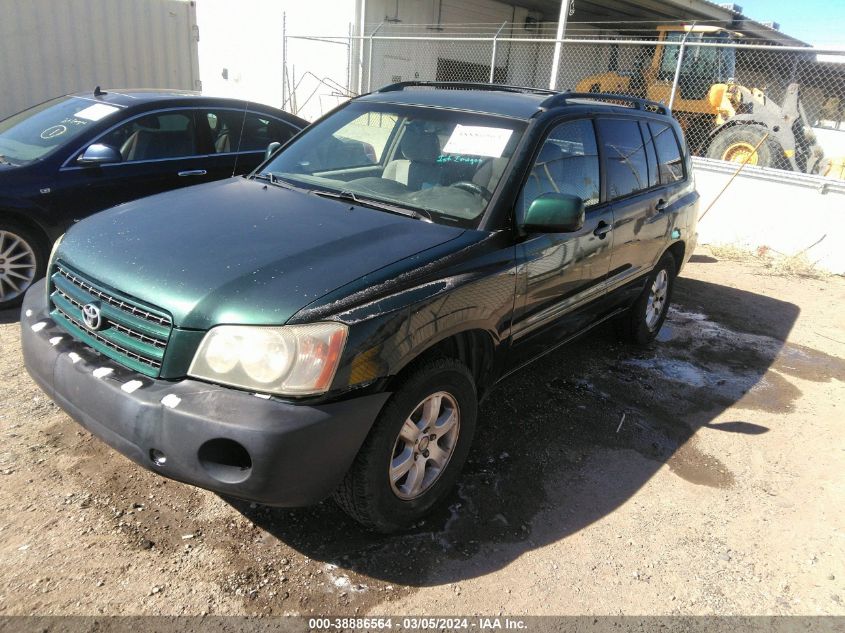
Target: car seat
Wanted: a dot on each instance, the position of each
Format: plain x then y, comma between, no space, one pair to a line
418,169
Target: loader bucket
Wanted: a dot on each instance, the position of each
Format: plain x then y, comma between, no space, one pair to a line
835,168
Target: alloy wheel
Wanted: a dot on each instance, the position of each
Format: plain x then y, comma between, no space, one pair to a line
425,445
656,299
17,265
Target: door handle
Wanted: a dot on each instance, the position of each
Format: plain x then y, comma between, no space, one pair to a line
661,205
602,230
193,172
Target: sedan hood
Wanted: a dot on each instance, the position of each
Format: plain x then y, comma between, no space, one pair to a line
240,251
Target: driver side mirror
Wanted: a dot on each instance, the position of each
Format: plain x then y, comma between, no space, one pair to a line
271,149
99,154
554,213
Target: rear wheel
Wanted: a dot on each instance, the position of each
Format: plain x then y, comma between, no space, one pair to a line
645,318
22,262
737,145
415,450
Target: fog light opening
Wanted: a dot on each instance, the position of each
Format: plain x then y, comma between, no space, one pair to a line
225,460
158,458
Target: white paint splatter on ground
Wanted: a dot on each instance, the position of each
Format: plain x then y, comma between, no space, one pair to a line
341,581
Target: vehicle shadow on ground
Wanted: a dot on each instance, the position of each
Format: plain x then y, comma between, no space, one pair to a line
553,454
12,315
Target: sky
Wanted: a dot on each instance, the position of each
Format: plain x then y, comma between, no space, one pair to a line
818,22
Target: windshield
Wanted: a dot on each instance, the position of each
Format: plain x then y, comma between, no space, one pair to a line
442,164
33,133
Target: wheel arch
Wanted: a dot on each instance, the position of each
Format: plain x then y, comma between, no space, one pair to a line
27,223
677,250
474,348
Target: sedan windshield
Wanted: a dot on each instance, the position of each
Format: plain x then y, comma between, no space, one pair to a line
441,164
33,133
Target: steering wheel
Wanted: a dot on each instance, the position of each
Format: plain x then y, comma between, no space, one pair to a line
474,188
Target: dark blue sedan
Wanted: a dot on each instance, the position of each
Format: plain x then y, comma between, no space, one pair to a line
67,158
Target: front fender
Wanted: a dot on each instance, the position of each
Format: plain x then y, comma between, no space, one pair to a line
472,292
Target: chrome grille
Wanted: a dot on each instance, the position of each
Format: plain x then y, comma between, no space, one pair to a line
122,305
132,334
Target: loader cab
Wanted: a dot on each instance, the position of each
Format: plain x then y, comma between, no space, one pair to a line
652,71
701,67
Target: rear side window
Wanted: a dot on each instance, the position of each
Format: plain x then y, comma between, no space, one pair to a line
669,155
568,162
220,131
625,156
261,130
650,154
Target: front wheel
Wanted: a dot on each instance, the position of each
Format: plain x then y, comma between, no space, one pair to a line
415,450
746,143
644,319
22,262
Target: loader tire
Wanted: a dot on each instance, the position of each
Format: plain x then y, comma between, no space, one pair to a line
737,143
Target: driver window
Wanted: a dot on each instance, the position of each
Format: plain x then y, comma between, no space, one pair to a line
568,162
154,136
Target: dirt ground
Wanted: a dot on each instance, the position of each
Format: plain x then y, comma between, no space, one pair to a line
703,475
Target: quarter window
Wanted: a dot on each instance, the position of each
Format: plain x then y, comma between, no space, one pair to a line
669,155
625,156
154,136
568,162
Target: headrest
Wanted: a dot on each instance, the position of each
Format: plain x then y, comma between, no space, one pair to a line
419,145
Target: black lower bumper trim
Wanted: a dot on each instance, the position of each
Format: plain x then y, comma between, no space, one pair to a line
294,454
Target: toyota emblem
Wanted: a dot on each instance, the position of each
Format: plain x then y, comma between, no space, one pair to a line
92,317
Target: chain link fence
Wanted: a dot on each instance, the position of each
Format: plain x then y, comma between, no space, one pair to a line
770,106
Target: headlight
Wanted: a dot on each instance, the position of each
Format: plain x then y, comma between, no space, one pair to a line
53,251
295,360
50,261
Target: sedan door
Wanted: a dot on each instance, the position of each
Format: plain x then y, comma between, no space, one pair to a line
561,275
159,152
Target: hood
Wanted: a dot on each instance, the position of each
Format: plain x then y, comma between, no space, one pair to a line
240,251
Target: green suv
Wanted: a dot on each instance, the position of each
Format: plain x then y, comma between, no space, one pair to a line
329,324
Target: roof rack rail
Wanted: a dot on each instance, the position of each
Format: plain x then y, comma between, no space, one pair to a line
464,85
562,98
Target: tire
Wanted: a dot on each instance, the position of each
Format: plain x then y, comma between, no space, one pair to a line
641,323
733,144
368,493
23,259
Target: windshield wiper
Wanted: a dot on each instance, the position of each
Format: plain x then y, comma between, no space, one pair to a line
273,179
374,203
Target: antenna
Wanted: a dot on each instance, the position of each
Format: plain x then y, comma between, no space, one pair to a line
240,138
98,92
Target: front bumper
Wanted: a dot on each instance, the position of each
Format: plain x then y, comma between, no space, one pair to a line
222,439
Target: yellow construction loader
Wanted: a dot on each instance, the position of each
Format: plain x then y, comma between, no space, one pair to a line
721,118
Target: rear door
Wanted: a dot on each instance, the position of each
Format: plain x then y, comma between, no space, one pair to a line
561,275
638,201
236,140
